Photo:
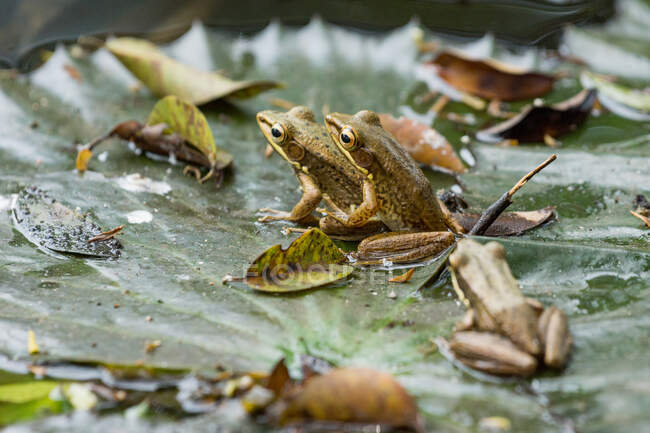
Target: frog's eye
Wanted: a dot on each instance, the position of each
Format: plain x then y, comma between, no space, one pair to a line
348,138
278,132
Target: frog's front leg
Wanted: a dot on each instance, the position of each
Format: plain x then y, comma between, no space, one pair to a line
553,331
491,353
360,216
301,213
402,247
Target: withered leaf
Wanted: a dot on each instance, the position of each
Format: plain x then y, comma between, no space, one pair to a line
353,395
423,143
187,121
509,223
310,261
626,102
491,79
174,127
534,123
51,225
166,76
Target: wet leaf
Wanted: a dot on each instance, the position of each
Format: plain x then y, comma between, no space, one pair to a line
625,101
310,261
490,79
188,122
51,225
353,395
533,124
509,223
166,76
423,143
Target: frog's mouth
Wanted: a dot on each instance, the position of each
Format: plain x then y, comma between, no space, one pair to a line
266,124
334,127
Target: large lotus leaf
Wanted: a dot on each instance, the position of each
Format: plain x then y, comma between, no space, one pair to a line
594,262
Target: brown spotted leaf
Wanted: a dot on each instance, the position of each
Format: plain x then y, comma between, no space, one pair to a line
533,124
310,261
423,143
490,79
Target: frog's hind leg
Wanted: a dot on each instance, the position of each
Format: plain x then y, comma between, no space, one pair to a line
338,230
402,247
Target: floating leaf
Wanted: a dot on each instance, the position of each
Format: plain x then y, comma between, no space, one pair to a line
311,261
50,224
510,223
174,128
491,79
533,124
626,102
424,144
166,76
187,121
355,396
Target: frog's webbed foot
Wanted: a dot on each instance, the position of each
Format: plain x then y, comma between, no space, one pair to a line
279,215
338,216
491,353
337,230
554,334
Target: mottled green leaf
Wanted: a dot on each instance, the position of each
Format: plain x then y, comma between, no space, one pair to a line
310,261
166,76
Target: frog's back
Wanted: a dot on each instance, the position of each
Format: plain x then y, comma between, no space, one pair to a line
407,201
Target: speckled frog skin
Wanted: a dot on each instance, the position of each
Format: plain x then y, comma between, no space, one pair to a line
322,170
405,200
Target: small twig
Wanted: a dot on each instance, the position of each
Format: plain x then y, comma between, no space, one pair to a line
492,213
104,236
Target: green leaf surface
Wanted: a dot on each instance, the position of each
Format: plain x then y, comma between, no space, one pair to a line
594,262
187,121
166,76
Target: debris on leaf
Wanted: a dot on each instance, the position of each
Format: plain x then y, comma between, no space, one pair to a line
495,423
534,123
151,346
626,102
350,396
491,79
404,278
310,261
509,223
176,129
423,143
32,347
642,205
80,396
53,226
643,218
110,234
166,76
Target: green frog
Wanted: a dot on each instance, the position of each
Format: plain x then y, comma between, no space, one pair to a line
503,332
323,172
394,189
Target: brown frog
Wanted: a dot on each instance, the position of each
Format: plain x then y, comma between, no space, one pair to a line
503,332
321,169
394,188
